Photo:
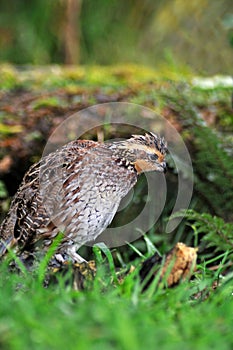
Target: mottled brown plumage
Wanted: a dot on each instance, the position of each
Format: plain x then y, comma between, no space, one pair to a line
76,190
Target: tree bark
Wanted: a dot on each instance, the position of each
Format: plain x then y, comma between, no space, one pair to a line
72,31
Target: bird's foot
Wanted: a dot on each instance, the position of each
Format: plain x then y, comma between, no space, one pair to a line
68,257
78,275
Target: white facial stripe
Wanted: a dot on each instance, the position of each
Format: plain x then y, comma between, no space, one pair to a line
146,149
139,147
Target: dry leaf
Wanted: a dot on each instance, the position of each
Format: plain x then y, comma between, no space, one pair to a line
179,264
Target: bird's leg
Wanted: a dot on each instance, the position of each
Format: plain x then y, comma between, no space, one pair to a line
74,256
70,254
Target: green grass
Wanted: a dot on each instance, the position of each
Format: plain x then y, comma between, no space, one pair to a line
111,315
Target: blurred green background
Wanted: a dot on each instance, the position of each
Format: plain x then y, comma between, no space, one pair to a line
197,35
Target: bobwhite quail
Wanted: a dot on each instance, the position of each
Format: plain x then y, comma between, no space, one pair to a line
76,190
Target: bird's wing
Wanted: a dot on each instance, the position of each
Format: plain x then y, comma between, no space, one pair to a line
18,224
38,196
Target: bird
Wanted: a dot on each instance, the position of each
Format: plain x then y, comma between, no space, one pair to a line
76,190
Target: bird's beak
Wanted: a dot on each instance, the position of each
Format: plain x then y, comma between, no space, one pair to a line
163,167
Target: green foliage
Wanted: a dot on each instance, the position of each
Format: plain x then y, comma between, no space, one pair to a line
214,231
10,129
108,32
71,78
48,102
3,191
228,25
113,315
214,169
210,150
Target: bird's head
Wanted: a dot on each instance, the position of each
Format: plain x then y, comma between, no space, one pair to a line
146,152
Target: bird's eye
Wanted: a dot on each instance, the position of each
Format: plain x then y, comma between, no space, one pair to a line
153,156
